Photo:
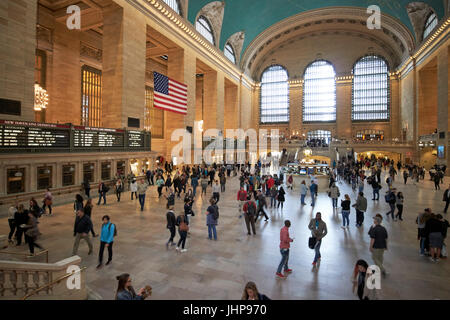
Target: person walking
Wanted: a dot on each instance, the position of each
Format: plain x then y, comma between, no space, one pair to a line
102,189
251,293
87,188
183,228
437,181
405,176
141,190
241,198
212,216
31,233
194,183
216,191
204,183
273,196
399,204
133,189
261,203
223,181
20,218
334,194
446,198
434,229
88,211
359,279
107,235
249,215
345,204
319,230
376,189
303,192
160,185
285,244
378,242
171,224
119,189
81,229
391,199
360,207
11,222
421,221
78,203
281,198
170,197
313,190
48,201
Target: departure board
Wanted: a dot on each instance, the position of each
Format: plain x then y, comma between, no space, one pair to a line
97,139
31,137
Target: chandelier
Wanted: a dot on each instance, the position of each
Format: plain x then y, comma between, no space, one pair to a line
40,98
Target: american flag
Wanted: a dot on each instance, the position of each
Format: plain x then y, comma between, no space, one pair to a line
170,95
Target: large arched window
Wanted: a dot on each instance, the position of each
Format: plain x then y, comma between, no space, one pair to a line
430,24
370,95
274,107
204,27
319,92
174,5
229,53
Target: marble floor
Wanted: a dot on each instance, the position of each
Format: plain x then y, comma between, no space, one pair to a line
220,269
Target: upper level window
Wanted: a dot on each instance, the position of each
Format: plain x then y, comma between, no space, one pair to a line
229,53
174,5
204,27
91,90
431,23
319,92
370,95
274,95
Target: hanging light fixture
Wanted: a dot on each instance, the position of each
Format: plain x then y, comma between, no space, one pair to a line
40,98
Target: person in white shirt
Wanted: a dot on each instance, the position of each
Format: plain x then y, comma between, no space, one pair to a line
133,189
216,191
12,224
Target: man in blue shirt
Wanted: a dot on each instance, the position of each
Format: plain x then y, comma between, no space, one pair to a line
106,240
313,190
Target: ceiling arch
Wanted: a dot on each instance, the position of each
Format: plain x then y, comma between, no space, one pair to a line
253,17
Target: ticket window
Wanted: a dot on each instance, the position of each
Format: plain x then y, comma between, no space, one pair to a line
68,175
44,177
16,180
121,168
106,171
88,172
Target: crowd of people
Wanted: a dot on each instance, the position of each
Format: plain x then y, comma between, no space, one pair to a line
255,186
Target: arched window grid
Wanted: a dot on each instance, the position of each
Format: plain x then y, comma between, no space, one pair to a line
175,5
430,24
204,28
274,95
371,89
229,53
319,92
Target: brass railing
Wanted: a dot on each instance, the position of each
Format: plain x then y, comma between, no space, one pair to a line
27,254
51,284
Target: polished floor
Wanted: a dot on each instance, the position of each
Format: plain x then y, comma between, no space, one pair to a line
220,269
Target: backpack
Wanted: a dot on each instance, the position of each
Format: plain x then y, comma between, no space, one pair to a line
183,224
251,210
388,197
115,229
216,212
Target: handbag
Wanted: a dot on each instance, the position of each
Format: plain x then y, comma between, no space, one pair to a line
312,242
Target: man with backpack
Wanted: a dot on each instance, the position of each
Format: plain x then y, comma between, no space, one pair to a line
391,199
109,231
249,215
242,198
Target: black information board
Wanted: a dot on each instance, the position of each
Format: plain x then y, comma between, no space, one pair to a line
29,137
97,139
135,139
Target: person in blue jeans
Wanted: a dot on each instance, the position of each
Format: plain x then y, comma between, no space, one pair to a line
313,190
142,188
101,193
319,230
194,184
211,221
285,244
345,204
106,240
303,192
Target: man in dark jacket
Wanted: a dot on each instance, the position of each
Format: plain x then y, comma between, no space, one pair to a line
261,204
171,223
20,218
81,229
376,189
437,181
391,199
446,198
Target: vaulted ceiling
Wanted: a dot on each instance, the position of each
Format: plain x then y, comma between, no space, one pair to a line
255,16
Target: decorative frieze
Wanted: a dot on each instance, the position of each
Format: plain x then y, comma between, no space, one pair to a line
88,51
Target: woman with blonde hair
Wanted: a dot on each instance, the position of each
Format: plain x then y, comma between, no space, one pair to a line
251,293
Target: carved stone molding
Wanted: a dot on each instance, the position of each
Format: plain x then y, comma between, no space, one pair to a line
418,13
43,34
88,51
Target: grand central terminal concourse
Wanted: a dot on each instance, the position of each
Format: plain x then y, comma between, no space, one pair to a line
198,150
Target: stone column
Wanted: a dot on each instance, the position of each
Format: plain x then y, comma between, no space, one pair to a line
295,108
443,105
210,84
124,49
344,109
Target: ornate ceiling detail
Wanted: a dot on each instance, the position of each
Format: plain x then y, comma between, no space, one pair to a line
214,12
237,41
418,13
